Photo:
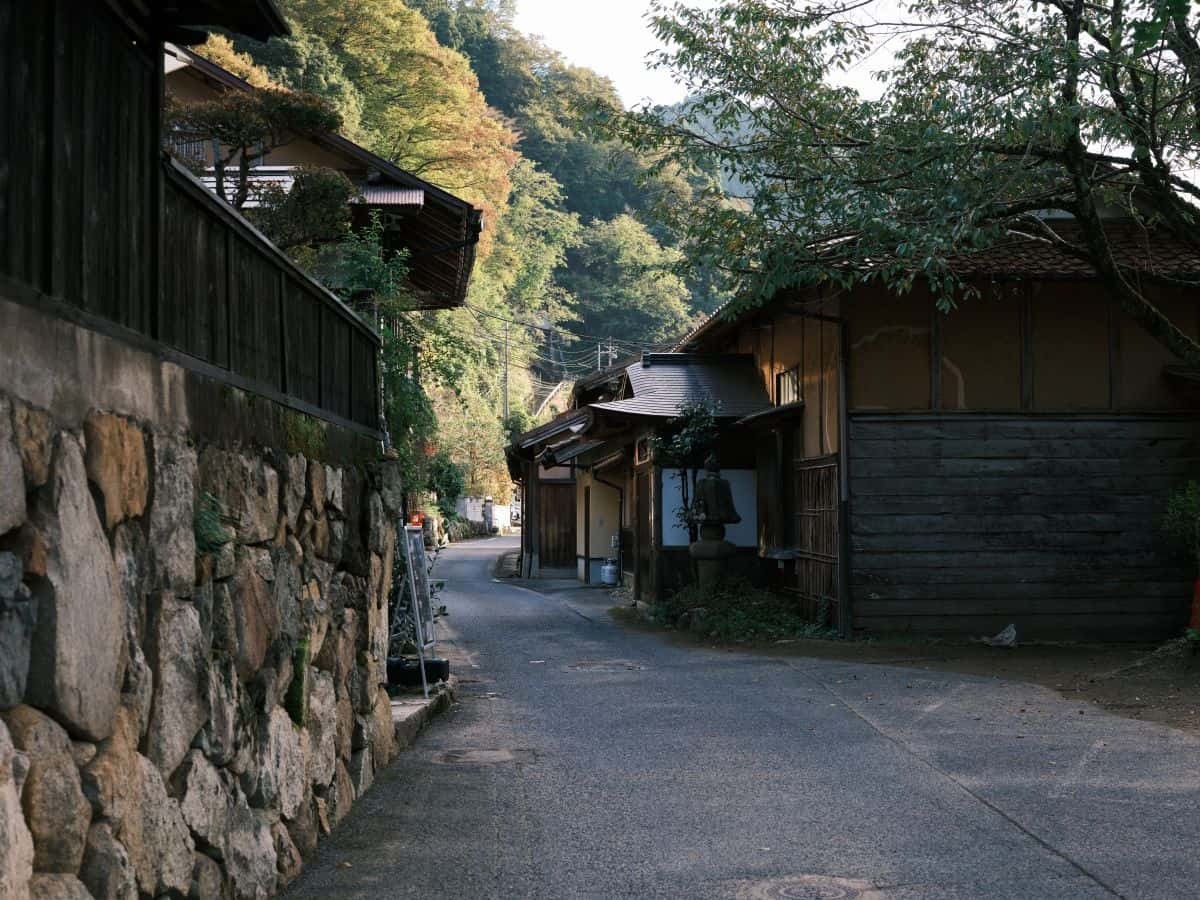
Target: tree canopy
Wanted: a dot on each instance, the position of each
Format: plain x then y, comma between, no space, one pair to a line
989,114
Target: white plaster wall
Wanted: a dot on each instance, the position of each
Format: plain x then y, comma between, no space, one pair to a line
743,483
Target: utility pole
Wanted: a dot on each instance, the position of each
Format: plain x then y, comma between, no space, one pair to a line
599,365
506,371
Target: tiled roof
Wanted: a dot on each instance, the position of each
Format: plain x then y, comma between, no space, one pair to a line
1021,257
661,382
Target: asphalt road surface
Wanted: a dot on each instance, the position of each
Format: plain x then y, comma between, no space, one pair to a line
585,760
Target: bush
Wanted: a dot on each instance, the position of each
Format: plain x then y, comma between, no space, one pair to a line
1182,521
736,611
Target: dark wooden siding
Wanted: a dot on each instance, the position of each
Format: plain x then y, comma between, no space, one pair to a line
234,302
78,158
93,227
967,523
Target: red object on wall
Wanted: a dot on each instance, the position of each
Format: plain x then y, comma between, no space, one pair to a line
419,519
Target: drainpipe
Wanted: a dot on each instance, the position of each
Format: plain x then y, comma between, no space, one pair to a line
620,520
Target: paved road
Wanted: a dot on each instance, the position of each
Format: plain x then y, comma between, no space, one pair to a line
587,761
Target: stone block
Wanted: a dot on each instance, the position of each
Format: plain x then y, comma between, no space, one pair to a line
289,862
295,488
208,881
157,837
205,798
303,828
116,465
16,843
317,488
56,811
340,796
250,857
224,702
12,481
345,727
77,659
382,731
18,619
256,619
322,728
333,491
178,660
249,489
282,776
45,886
362,771
35,439
107,871
172,514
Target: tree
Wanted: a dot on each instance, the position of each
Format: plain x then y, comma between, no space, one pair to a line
303,62
314,211
625,284
990,114
247,125
530,249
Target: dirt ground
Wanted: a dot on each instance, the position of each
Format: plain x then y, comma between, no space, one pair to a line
1156,683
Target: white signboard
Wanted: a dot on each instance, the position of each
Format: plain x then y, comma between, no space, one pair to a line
744,485
418,584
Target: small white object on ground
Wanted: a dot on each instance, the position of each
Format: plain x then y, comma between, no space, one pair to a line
1006,638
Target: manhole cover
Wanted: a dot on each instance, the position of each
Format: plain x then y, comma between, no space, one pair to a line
606,665
481,757
809,887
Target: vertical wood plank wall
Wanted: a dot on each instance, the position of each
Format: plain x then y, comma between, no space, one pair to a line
966,523
83,194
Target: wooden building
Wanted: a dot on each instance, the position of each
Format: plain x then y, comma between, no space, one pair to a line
594,490
930,472
437,230
1006,462
98,227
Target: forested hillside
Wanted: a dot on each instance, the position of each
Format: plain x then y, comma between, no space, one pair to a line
573,260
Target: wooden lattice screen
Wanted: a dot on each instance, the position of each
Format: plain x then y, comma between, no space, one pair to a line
817,535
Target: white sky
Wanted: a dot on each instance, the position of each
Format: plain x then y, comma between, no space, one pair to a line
613,38
610,36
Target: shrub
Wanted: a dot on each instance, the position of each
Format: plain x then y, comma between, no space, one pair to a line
736,611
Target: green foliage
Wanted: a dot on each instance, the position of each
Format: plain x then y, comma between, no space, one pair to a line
1192,636
684,444
625,284
421,104
314,211
208,524
304,62
518,422
1182,519
736,611
987,115
448,480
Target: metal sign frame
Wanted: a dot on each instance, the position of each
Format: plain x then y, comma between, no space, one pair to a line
421,594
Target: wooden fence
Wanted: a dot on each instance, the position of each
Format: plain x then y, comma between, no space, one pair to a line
97,227
232,300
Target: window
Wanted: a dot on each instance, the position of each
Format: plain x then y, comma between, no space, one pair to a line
787,387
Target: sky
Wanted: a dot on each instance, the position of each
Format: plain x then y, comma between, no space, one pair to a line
613,38
609,36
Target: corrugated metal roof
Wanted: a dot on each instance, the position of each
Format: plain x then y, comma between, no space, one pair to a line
389,195
661,382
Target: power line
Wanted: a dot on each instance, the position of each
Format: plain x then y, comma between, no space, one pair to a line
553,329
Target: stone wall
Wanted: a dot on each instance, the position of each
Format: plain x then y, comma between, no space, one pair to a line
192,640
